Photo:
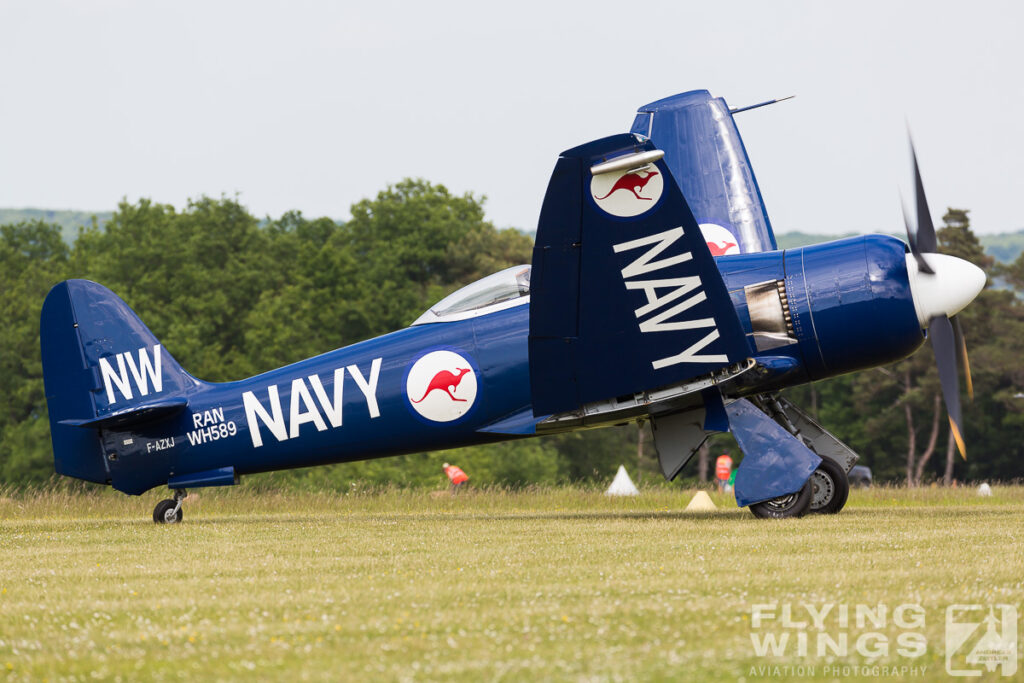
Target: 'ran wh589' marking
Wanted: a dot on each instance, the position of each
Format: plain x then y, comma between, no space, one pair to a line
210,426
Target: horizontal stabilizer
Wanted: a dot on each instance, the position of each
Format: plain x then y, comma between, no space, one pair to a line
775,463
136,415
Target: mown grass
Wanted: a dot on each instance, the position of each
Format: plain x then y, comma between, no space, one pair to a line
560,583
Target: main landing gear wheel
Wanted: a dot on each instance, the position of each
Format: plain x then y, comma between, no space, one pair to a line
794,505
829,488
168,511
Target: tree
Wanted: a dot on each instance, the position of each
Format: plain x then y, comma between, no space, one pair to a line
992,327
416,243
33,257
594,454
193,274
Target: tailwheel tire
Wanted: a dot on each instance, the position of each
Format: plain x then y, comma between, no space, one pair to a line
830,488
794,505
164,513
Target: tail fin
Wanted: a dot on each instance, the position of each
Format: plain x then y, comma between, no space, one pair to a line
101,367
624,294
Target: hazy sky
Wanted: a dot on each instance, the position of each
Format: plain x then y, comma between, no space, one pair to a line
315,105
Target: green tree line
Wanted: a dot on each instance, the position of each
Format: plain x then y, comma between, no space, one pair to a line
231,296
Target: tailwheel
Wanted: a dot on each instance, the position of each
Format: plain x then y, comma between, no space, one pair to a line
168,511
830,488
794,505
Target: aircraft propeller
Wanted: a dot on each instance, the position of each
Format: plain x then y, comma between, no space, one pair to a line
942,285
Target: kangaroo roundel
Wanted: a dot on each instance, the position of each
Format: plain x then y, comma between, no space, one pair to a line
627,194
441,386
721,241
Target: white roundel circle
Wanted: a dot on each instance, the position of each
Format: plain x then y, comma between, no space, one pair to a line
629,194
720,241
441,386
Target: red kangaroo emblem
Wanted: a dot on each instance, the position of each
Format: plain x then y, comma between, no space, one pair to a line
720,251
632,182
446,382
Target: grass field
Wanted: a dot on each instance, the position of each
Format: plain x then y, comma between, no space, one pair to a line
550,584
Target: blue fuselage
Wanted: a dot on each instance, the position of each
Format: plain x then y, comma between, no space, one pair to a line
217,431
847,305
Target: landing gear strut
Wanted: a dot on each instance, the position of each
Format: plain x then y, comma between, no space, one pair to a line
169,511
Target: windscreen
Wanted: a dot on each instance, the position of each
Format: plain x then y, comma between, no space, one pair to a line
501,287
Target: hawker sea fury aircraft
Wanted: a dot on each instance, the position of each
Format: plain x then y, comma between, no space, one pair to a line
656,293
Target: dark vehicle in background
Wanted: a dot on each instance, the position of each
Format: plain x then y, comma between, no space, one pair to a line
860,476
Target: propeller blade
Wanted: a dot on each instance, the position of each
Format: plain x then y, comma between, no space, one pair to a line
926,241
940,331
922,265
961,345
947,337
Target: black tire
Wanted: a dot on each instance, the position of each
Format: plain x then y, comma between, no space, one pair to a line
794,505
162,512
829,488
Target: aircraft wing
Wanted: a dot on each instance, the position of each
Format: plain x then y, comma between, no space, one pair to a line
705,153
625,296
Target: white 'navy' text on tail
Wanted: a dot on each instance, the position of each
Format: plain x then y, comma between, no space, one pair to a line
662,321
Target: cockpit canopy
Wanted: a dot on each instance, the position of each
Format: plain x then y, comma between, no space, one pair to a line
504,289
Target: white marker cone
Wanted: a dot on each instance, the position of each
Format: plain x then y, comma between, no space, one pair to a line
701,503
622,485
985,490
